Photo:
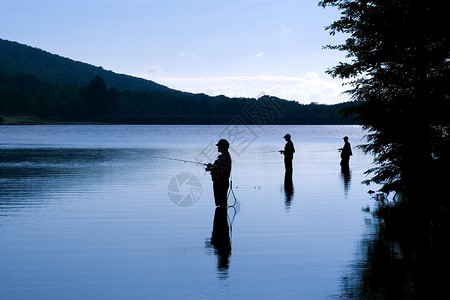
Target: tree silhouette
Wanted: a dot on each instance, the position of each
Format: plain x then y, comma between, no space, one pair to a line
97,97
399,63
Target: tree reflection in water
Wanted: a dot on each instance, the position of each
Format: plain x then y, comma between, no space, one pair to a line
404,257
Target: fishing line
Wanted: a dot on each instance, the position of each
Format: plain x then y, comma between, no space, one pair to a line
308,151
261,152
327,150
269,151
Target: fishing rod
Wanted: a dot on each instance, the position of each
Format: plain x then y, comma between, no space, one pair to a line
265,152
327,150
309,151
182,160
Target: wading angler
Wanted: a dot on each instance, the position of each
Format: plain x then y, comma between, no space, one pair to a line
220,173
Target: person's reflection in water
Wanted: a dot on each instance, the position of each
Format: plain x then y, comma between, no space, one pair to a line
288,190
346,177
220,240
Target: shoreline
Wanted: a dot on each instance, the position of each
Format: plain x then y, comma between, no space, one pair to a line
181,120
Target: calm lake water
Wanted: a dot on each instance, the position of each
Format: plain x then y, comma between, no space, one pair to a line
111,212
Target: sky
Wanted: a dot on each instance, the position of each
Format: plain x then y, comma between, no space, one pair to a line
237,48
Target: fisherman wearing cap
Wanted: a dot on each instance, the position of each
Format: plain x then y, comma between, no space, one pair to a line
346,152
288,153
220,173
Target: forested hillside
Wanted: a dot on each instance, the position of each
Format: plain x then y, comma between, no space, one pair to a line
35,82
18,59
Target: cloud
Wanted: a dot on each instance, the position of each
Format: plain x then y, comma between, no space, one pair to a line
286,30
187,55
261,54
153,70
305,89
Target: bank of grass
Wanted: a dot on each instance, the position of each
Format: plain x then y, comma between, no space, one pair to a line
33,120
21,120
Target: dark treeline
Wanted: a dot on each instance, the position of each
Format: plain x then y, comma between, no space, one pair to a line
28,95
399,63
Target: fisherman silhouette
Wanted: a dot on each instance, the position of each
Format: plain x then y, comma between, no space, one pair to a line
288,153
220,173
220,240
346,152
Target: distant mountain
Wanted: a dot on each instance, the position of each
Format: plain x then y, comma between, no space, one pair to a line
17,59
37,83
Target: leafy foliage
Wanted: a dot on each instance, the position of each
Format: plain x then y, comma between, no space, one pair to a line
399,60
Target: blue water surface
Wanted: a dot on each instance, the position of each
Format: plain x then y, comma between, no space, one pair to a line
113,212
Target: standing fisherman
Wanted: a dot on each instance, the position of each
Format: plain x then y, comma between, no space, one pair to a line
288,153
220,173
346,152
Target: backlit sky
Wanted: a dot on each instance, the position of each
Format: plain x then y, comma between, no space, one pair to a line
239,48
